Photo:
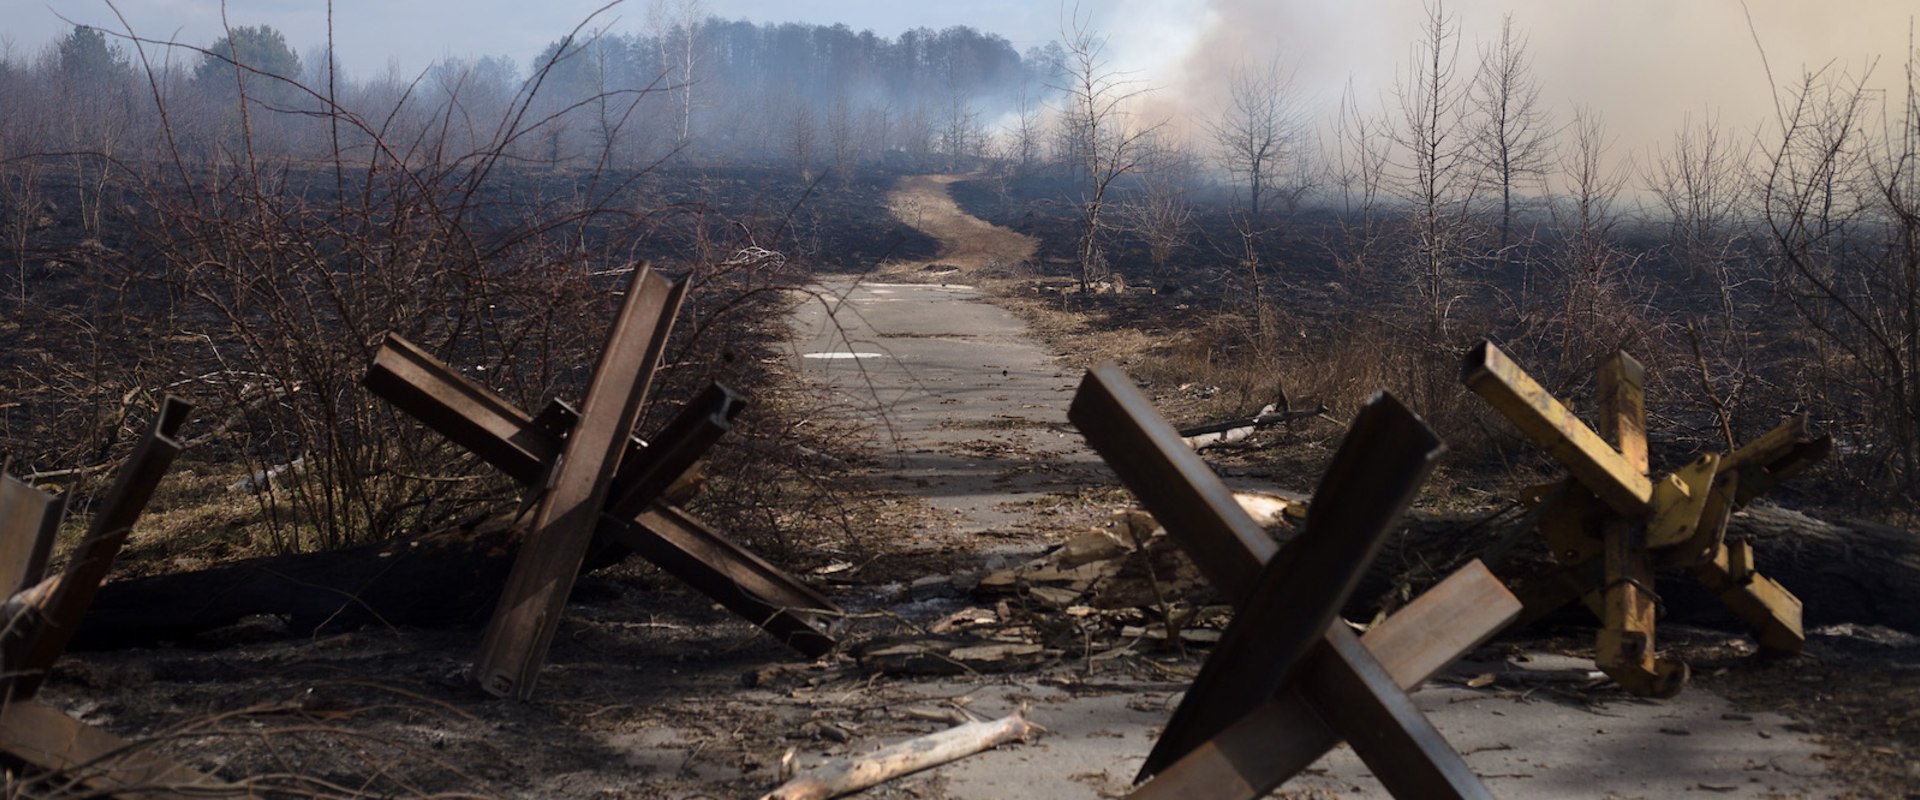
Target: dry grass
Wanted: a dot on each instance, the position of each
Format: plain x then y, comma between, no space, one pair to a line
1206,364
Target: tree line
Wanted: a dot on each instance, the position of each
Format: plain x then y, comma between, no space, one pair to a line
814,96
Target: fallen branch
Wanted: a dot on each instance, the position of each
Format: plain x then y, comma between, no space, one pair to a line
850,775
1200,436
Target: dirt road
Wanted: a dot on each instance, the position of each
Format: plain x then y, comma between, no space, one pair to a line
968,414
966,241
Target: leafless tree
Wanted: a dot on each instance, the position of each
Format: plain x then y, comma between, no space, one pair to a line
22,211
960,134
1358,170
1840,198
877,128
1436,160
914,134
1513,138
1259,130
1024,135
1160,212
677,24
1597,316
1699,181
1103,133
843,139
800,139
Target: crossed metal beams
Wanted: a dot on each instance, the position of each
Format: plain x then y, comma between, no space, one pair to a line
596,479
1289,680
1610,525
40,616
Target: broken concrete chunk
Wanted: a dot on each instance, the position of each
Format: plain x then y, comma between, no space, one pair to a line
1053,596
1128,562
1091,546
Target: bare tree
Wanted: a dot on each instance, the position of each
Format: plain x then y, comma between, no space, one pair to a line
1513,142
1358,171
1102,131
1024,135
961,137
1161,211
95,90
800,138
1596,317
1437,156
1698,180
22,209
1257,131
677,24
877,128
914,134
1841,205
842,139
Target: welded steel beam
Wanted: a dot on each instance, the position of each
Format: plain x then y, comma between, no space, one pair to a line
523,625
471,415
29,522
57,604
747,585
1374,477
1406,753
1511,391
1289,731
1171,481
108,765
521,446
43,615
1626,648
1610,542
1260,710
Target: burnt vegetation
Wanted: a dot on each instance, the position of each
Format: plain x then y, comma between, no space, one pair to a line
243,223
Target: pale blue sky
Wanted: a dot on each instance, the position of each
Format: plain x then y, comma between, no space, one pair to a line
1643,64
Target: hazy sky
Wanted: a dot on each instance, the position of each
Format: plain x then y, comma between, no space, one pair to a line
1644,64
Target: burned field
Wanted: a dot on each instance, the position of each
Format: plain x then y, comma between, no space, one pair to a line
814,443
938,601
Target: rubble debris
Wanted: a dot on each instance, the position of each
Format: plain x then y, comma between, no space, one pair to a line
1128,563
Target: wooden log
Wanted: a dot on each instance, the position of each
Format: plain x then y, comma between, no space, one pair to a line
1842,572
849,775
1200,437
451,576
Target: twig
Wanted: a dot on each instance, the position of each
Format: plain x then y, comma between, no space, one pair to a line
1719,408
71,472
